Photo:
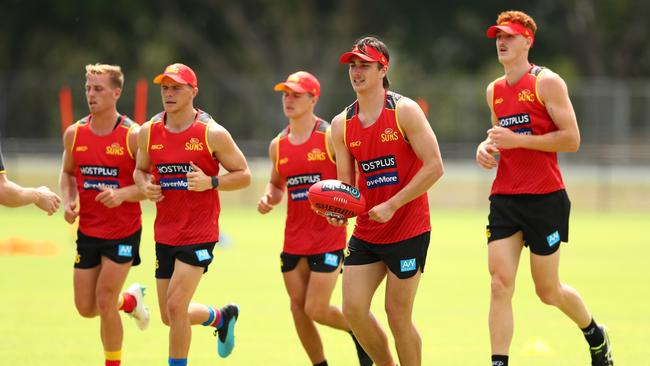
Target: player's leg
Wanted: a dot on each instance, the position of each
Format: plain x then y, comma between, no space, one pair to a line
545,272
162,284
321,283
296,281
84,283
359,285
109,283
400,297
179,292
503,261
84,278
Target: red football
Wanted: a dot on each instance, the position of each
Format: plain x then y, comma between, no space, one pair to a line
333,198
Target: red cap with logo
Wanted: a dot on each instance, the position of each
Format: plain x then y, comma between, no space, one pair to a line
180,73
300,82
511,28
366,53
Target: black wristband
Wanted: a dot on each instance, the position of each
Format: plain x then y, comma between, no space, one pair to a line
215,181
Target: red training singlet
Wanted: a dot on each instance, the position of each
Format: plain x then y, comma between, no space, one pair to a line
183,217
305,232
386,163
104,161
518,107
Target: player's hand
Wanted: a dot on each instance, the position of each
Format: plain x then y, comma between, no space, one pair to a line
197,181
503,138
47,200
70,212
486,155
338,222
382,212
109,197
263,205
152,191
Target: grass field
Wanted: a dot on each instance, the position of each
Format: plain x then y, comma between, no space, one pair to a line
607,261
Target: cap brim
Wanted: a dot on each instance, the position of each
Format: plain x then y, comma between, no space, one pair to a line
492,31
159,79
346,57
291,86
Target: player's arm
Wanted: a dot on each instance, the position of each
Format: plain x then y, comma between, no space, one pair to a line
553,92
275,187
344,160
67,180
110,197
226,151
423,141
486,151
142,176
14,195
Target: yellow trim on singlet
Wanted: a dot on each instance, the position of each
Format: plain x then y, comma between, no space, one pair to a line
149,134
2,171
536,82
345,127
328,133
74,138
493,93
277,153
399,127
128,145
207,129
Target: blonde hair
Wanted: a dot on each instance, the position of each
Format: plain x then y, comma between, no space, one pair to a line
114,73
520,17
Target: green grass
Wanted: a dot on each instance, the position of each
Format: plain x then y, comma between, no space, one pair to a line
607,261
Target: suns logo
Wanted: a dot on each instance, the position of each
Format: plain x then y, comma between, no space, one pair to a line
283,161
525,96
115,149
316,154
81,148
355,143
194,145
389,135
157,147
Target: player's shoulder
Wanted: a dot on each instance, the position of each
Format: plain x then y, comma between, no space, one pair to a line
157,118
549,83
127,122
546,75
82,121
402,104
340,118
322,126
393,99
205,117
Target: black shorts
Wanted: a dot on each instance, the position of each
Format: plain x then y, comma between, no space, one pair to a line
90,250
403,258
198,255
543,219
324,262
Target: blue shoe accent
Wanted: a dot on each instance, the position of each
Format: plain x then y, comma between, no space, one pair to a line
226,334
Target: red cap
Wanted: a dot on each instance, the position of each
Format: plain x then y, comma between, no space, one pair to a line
301,82
180,73
511,28
366,53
